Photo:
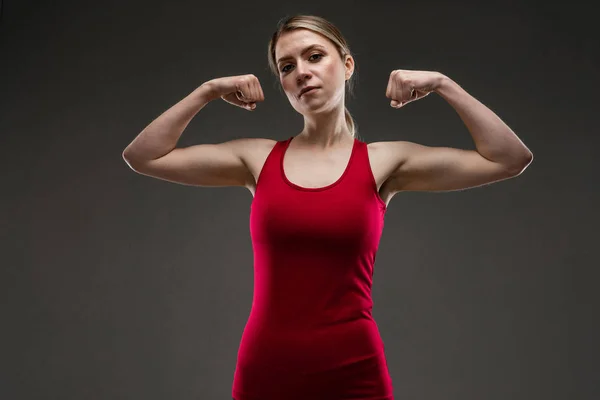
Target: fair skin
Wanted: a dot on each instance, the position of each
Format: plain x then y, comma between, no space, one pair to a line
319,153
323,110
396,165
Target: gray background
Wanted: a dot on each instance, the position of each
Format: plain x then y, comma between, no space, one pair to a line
115,285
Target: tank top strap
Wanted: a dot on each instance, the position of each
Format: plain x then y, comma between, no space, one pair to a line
271,168
360,169
361,174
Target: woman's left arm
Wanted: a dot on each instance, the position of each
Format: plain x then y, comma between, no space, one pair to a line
493,139
500,153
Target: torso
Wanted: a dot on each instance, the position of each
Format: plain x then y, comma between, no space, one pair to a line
307,169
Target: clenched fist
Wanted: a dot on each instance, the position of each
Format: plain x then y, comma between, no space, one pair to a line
405,86
242,90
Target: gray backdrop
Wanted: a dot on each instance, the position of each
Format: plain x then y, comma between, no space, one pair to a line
115,285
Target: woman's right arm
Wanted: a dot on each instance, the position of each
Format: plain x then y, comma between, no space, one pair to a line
154,153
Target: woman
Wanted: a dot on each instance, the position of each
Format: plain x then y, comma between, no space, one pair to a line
318,210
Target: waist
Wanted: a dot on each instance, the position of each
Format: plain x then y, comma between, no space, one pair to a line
309,349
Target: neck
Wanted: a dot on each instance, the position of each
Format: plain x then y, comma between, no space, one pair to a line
325,129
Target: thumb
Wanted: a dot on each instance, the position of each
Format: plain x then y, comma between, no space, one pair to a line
394,103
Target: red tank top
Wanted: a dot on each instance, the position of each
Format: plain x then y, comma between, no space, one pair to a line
310,333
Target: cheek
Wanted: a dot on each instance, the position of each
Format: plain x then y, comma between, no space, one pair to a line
289,92
286,84
332,69
290,88
335,72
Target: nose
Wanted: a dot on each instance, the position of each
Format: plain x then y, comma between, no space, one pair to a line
302,73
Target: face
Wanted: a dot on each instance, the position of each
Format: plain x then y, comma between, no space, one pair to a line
320,65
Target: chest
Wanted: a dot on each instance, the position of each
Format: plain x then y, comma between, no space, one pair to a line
310,170
313,170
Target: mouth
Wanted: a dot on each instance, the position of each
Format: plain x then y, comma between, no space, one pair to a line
308,90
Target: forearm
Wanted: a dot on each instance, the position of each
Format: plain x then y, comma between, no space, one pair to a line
161,136
493,139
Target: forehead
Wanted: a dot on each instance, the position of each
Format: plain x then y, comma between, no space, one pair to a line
292,43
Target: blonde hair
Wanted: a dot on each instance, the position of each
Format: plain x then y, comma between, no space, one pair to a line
328,30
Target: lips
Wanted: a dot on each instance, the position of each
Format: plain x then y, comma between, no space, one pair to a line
307,89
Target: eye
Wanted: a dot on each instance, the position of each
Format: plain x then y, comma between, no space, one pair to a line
312,55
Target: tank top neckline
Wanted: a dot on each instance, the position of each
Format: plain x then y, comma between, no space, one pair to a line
316,189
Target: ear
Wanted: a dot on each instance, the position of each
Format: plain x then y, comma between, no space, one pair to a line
349,65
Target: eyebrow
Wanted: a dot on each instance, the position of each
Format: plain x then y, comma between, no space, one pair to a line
306,49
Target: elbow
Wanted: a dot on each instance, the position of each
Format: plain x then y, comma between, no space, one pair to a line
125,156
128,155
128,159
521,166
527,160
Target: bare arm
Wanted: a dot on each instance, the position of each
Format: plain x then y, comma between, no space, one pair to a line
153,152
500,153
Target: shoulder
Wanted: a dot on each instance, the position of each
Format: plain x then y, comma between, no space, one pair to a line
262,145
253,153
390,153
386,158
253,143
249,148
